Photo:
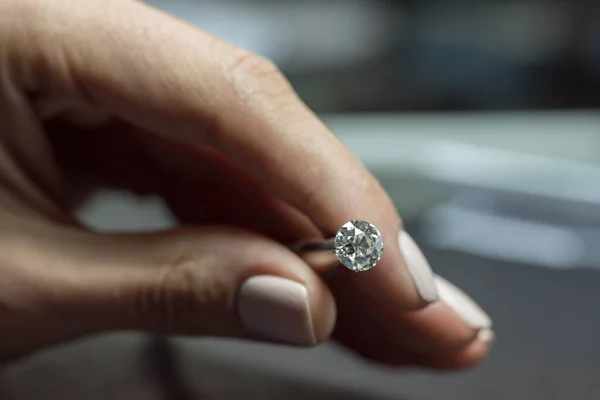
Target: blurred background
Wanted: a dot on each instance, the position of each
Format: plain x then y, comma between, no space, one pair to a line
479,117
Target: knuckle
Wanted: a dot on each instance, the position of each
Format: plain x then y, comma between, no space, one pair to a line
177,299
26,301
247,63
255,78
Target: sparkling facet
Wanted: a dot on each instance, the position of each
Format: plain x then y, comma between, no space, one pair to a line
358,245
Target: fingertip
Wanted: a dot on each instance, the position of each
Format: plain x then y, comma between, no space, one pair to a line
323,308
468,357
463,305
437,330
285,310
403,278
278,309
418,268
487,336
287,304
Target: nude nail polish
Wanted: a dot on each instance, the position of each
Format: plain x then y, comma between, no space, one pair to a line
418,267
276,308
463,305
486,335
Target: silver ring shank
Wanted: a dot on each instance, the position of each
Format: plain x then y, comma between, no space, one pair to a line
310,246
318,254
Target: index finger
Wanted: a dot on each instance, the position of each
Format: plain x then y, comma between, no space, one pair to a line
172,79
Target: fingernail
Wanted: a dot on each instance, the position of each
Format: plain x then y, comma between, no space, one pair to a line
463,305
486,335
418,267
276,308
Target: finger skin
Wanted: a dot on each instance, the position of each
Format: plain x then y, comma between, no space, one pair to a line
67,283
199,184
186,181
180,83
205,267
435,330
227,192
469,356
172,79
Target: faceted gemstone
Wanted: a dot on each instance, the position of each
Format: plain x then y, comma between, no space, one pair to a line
358,245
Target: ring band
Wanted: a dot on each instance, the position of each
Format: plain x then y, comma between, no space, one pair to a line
310,246
358,246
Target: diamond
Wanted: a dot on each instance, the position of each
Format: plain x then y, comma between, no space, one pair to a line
358,245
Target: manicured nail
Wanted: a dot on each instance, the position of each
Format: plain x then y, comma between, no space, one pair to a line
276,308
463,305
486,335
418,267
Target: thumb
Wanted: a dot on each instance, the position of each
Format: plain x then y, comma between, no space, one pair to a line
217,282
209,281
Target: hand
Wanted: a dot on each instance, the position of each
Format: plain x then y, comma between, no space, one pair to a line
115,92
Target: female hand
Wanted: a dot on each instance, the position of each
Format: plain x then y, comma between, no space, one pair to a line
115,92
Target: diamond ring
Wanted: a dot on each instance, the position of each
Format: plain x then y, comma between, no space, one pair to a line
357,245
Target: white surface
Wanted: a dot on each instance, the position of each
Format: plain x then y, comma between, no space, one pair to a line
556,154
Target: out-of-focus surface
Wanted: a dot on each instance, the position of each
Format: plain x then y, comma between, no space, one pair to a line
393,55
505,203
